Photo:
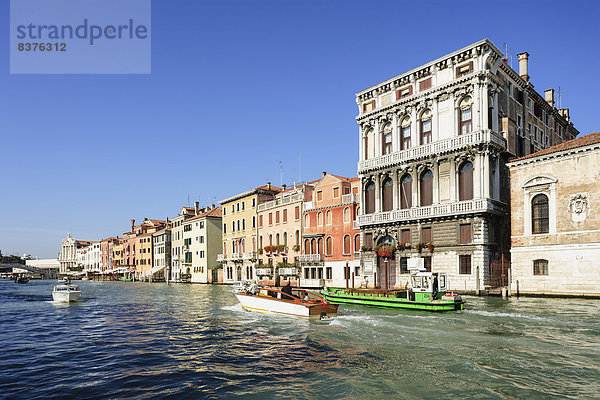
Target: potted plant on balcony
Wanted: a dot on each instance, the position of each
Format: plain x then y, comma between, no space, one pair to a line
260,251
404,246
425,245
385,251
296,247
281,248
366,248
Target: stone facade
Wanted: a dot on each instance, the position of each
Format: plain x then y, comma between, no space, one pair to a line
433,149
555,229
161,242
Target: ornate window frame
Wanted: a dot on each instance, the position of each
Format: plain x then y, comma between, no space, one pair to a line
541,184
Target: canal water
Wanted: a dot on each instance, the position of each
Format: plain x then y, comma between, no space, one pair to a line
140,340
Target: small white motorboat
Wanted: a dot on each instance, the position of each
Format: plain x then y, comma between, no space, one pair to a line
66,293
296,302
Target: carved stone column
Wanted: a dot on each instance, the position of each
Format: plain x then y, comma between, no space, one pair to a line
453,181
395,190
378,193
486,171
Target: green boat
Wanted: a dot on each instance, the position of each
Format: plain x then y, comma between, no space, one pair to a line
427,292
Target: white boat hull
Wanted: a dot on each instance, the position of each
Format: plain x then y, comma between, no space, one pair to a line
65,295
269,305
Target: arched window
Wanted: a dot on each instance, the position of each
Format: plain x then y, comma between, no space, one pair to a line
319,218
243,224
357,212
540,221
232,226
386,139
238,224
298,238
464,116
277,239
347,244
465,181
369,144
329,243
307,220
405,129
320,246
356,243
307,246
260,242
285,239
328,217
426,188
313,247
370,198
387,195
426,127
254,222
406,191
224,249
347,214
242,246
270,240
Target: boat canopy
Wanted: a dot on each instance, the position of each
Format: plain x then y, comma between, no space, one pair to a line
423,281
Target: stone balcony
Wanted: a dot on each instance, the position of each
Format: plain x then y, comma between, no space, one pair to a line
280,202
435,210
435,148
264,271
306,258
220,257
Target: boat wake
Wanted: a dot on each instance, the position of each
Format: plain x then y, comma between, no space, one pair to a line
504,315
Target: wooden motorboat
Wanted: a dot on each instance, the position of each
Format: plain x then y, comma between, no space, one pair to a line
22,279
298,303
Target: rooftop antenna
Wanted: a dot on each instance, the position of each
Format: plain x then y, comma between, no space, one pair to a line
188,199
299,168
281,174
506,54
559,98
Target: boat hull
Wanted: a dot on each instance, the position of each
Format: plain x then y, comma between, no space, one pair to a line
269,305
378,300
65,296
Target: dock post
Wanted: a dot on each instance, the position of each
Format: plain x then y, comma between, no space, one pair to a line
353,280
509,283
477,281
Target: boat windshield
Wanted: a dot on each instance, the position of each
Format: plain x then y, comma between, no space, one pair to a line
442,282
416,282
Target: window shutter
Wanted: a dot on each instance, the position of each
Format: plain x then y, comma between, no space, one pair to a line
373,105
398,94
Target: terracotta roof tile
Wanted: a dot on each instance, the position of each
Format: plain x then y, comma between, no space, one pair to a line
581,141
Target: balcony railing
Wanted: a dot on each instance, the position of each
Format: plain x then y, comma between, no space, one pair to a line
429,149
436,210
312,283
220,257
264,271
236,256
251,255
280,202
350,198
305,258
288,271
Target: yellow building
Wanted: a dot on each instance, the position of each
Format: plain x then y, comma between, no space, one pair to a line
240,232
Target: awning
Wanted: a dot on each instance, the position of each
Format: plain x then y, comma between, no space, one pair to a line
154,270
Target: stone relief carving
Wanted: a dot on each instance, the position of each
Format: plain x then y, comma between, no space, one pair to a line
579,206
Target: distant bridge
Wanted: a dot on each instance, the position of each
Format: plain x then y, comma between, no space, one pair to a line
46,273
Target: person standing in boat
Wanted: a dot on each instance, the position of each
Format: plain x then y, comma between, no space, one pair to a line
287,289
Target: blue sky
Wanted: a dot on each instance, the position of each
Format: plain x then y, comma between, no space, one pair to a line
236,87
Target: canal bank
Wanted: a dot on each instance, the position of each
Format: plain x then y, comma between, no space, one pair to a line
133,340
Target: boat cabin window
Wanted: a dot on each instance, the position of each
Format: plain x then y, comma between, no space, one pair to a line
416,282
442,282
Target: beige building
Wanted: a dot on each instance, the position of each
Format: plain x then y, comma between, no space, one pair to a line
433,146
240,232
202,242
180,271
555,224
161,243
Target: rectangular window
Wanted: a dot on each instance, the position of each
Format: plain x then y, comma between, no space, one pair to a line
427,263
426,235
260,221
369,106
540,267
404,265
320,195
187,241
425,84
336,192
270,218
426,131
466,123
405,235
406,137
277,217
297,212
405,92
201,239
328,273
464,69
465,233
201,224
201,253
187,228
369,239
465,264
285,215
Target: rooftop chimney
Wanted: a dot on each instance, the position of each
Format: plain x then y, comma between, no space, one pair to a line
324,173
549,95
565,113
196,205
523,58
283,186
212,205
269,185
132,224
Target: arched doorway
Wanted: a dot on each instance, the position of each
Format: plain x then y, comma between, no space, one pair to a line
239,273
386,266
